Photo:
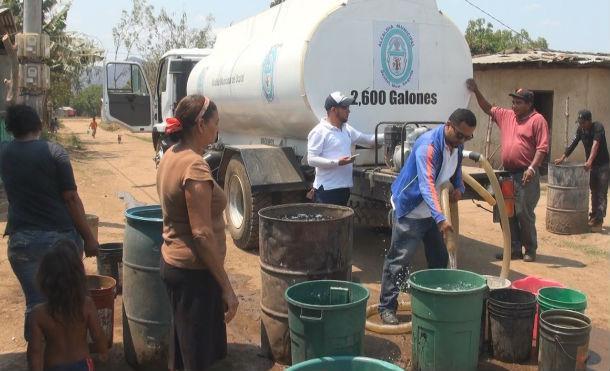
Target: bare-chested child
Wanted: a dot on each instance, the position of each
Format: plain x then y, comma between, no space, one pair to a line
59,327
93,127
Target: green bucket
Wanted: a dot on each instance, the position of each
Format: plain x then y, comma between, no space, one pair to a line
326,318
561,298
344,363
447,305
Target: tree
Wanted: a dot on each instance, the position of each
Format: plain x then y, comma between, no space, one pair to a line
71,53
150,34
87,102
275,2
482,39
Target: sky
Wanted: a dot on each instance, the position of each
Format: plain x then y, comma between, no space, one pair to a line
570,25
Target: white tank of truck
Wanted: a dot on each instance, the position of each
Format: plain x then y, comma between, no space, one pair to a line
402,60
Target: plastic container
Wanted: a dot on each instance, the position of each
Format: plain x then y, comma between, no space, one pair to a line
562,298
110,262
564,340
495,282
533,284
511,319
446,314
326,318
102,290
146,308
344,363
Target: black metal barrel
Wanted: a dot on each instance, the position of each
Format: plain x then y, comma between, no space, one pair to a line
567,202
298,243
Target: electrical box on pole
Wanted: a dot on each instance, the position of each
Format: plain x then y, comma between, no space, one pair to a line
33,47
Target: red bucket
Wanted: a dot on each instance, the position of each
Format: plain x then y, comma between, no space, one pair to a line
533,284
102,290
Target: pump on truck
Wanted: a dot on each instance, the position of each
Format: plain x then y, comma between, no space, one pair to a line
403,61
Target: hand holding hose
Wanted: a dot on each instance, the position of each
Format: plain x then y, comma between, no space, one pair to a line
455,196
445,227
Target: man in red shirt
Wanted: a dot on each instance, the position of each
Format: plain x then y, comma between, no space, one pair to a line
524,136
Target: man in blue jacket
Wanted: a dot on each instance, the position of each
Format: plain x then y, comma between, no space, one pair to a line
436,159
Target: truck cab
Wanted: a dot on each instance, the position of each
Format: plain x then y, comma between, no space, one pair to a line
130,100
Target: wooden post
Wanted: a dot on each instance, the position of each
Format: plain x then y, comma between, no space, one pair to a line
567,113
488,136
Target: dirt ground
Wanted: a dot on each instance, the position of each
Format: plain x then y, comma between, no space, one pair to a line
104,169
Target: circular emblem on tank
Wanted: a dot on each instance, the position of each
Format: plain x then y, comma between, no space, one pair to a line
397,56
268,73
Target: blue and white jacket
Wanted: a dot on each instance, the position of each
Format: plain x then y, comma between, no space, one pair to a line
416,181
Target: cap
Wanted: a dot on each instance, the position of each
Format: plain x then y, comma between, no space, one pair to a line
584,114
337,99
526,95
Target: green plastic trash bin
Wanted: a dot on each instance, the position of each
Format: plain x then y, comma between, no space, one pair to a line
326,318
344,363
446,306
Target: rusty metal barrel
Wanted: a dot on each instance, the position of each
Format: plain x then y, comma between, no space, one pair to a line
567,203
298,243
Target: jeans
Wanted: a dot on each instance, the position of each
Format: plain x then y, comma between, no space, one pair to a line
406,236
598,182
523,224
338,196
25,251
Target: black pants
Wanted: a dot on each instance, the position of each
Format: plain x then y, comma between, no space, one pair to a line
198,335
598,182
337,196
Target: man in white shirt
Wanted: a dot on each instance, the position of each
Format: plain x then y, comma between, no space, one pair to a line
329,150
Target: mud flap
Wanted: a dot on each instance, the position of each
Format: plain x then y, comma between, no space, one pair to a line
269,169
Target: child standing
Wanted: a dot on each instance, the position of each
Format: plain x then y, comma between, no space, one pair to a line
59,327
93,127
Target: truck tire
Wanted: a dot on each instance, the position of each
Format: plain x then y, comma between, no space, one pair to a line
242,205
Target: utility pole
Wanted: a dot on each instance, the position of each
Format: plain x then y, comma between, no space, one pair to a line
32,49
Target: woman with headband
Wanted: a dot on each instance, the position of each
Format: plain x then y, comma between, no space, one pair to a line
192,264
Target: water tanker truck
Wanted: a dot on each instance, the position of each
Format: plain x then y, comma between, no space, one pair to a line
403,61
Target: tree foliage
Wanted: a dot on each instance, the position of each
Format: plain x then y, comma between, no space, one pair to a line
275,2
72,53
145,32
483,39
87,102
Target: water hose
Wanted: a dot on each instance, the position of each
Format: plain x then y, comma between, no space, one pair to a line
402,328
495,185
478,188
450,209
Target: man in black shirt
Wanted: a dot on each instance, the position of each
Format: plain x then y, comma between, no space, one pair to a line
593,138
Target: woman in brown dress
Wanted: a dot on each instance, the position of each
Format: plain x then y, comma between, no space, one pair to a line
199,290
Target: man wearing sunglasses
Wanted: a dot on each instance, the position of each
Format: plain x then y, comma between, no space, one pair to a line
524,137
417,215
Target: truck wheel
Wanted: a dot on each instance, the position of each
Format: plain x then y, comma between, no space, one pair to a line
242,206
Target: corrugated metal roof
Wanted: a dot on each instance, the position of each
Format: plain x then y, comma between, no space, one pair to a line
544,57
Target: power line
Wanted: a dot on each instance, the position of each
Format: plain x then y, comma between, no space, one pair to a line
499,21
